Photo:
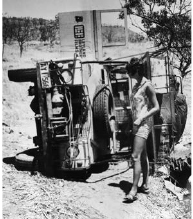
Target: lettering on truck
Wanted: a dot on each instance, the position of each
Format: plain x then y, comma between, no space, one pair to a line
45,76
79,36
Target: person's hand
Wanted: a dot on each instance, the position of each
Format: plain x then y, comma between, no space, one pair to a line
138,121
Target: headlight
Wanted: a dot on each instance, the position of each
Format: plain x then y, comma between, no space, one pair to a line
67,75
72,152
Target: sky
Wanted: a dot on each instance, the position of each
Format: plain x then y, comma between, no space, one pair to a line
49,8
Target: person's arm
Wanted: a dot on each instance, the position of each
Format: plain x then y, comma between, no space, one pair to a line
155,105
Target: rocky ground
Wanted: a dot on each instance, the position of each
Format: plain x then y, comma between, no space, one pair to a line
27,195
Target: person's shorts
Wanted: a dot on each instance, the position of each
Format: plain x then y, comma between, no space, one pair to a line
144,129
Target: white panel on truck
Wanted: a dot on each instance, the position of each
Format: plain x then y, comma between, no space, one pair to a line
77,34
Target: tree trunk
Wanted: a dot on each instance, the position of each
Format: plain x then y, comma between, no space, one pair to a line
3,48
21,49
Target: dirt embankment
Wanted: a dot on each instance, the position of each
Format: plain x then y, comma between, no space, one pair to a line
101,196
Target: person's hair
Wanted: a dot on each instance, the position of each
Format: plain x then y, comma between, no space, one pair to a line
133,65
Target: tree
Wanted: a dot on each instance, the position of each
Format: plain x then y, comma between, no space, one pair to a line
35,33
22,31
43,33
7,30
108,33
168,24
48,30
51,30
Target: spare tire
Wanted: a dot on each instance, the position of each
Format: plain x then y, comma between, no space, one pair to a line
103,111
178,120
181,110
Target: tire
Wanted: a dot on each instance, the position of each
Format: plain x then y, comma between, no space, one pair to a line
26,160
103,110
23,75
181,110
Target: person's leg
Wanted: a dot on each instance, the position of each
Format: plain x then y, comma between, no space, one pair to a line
145,167
138,147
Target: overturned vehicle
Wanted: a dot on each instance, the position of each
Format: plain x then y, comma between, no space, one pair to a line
82,106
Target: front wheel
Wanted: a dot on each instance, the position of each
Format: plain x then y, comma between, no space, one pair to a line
27,160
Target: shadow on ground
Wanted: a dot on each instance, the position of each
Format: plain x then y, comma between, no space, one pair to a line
125,186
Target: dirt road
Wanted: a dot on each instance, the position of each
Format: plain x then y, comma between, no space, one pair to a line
101,196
